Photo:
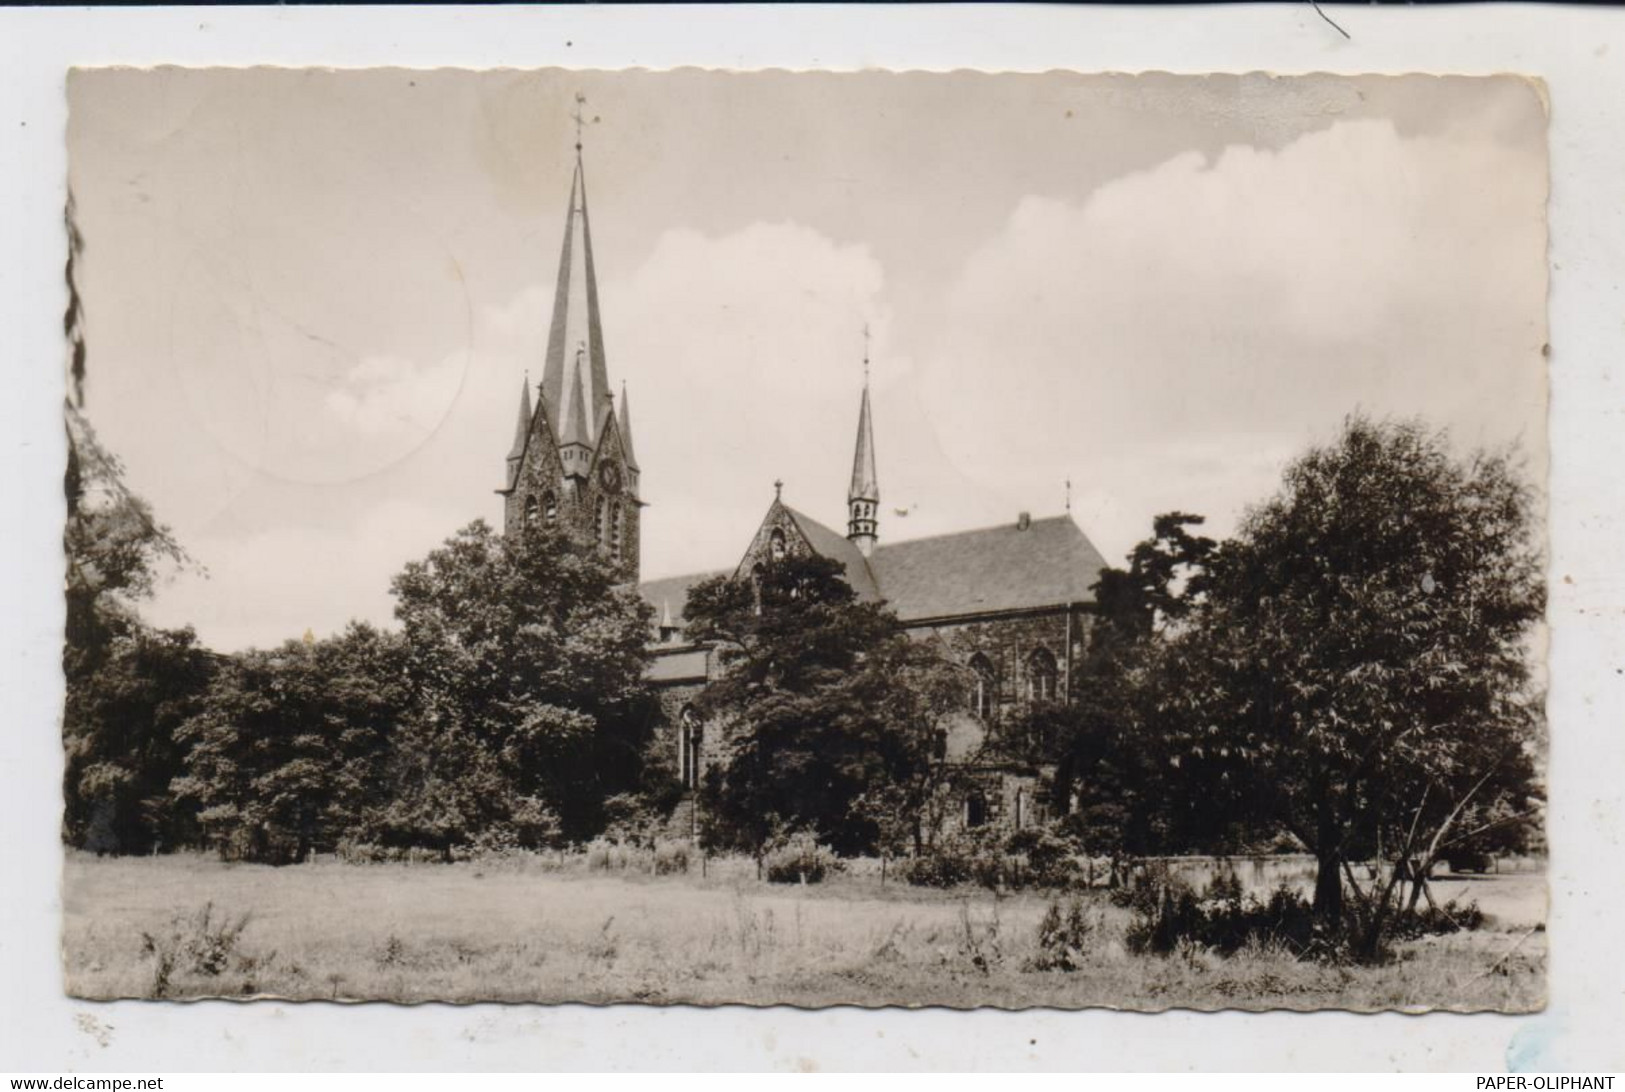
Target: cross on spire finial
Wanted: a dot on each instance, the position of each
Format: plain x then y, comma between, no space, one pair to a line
866,354
1069,494
581,100
778,488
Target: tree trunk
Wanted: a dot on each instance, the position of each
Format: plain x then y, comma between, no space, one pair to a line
1328,904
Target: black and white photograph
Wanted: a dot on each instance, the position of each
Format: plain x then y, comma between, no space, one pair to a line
882,539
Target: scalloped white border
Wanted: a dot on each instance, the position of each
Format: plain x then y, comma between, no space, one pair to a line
1580,53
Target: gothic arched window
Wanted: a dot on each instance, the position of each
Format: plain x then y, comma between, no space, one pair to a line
1041,675
776,547
690,735
530,510
603,522
615,531
550,507
975,810
983,690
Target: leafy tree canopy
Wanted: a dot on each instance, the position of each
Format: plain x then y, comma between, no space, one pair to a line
528,653
824,698
1365,645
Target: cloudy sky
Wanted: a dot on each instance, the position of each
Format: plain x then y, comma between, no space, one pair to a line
312,296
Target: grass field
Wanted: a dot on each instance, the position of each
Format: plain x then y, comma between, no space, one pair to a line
505,932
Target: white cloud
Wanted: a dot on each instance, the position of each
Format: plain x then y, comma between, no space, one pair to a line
395,400
274,584
744,358
1184,328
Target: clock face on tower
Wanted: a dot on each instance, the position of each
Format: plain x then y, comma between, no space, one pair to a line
609,477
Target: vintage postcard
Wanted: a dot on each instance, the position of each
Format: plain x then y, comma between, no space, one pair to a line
883,539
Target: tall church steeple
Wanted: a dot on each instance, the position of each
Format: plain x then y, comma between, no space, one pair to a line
863,495
576,323
572,461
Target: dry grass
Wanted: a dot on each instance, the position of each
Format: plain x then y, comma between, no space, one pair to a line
527,932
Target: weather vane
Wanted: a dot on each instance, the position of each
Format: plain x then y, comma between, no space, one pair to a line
866,352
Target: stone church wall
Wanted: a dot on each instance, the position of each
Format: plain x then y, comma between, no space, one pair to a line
1008,643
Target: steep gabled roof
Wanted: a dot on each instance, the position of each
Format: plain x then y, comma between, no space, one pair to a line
671,593
837,547
1049,563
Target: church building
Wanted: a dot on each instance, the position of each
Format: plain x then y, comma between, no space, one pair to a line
1016,597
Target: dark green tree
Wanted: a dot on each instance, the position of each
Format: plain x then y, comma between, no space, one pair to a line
122,743
288,753
117,722
1130,794
527,655
127,686
1364,651
823,698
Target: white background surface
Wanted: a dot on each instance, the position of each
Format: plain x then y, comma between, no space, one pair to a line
1579,52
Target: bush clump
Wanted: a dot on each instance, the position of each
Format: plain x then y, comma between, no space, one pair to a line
936,868
671,858
800,859
1041,857
970,857
1063,938
1439,920
199,944
1168,913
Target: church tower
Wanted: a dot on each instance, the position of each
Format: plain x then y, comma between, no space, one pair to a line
863,495
571,462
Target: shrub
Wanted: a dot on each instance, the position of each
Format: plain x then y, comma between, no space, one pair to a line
196,943
671,857
936,869
1044,858
979,943
800,860
354,852
1063,939
970,857
1169,916
604,855
1437,920
634,820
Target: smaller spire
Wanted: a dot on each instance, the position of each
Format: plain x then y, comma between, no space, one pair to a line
665,615
575,415
626,429
865,484
522,431
863,495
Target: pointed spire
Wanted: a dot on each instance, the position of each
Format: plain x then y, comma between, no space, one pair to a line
626,429
576,320
865,483
665,614
522,431
576,428
863,495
